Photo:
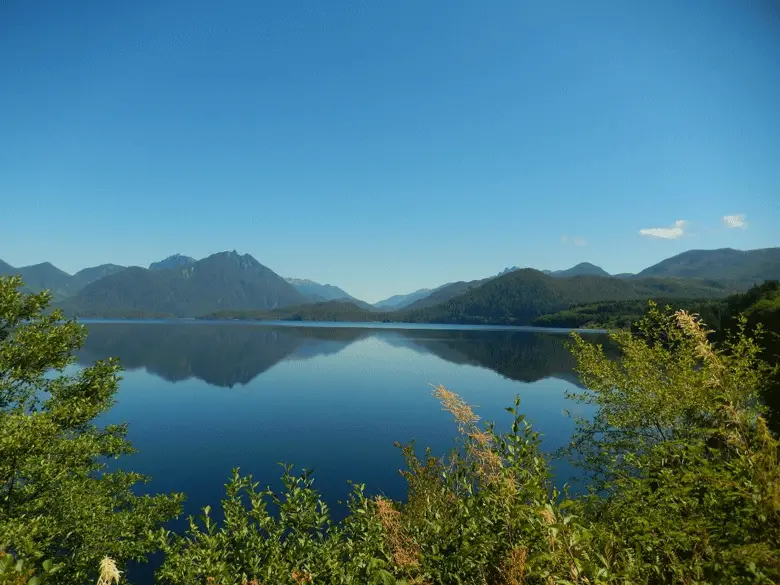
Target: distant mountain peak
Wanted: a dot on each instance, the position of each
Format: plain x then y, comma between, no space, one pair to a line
316,292
400,301
45,266
93,273
581,269
243,261
222,281
173,261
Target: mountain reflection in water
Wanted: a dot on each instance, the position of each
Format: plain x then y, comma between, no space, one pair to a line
226,355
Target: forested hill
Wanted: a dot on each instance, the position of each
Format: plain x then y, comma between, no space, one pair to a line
520,296
736,267
516,298
581,269
760,304
223,280
445,293
336,310
46,276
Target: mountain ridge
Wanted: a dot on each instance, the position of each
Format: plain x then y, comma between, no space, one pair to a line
403,300
173,261
728,264
522,295
222,280
249,285
319,292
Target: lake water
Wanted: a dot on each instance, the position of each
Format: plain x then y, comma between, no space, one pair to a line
201,398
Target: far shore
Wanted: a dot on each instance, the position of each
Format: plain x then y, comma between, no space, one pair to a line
348,324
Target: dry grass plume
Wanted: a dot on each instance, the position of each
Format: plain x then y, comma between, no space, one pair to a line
513,569
406,552
301,577
480,446
109,573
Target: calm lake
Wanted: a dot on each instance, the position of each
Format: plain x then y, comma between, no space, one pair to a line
201,398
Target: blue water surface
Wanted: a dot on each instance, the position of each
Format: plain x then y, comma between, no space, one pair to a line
201,398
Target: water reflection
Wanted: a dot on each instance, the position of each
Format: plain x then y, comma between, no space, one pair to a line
226,355
219,354
521,356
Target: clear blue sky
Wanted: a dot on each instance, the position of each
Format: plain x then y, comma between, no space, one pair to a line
388,146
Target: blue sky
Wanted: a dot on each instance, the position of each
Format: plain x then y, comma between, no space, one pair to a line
388,146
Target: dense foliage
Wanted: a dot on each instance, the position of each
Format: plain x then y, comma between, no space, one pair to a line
685,477
760,304
59,509
623,314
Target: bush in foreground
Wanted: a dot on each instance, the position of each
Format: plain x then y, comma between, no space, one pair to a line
61,513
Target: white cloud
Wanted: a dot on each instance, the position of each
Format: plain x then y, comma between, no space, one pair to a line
576,240
667,233
735,221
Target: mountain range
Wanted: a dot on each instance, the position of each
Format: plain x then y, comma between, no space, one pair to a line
520,296
226,282
318,293
62,285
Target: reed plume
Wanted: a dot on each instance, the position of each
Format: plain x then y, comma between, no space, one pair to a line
108,572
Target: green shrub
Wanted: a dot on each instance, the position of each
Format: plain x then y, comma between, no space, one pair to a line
57,503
